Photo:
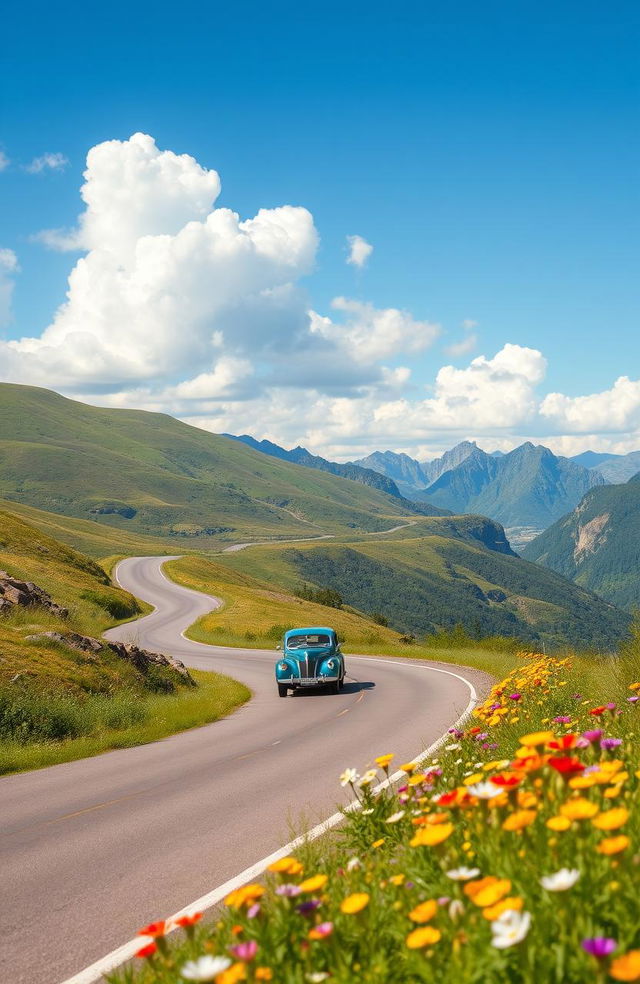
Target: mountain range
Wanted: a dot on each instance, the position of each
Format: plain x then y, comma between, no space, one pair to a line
597,545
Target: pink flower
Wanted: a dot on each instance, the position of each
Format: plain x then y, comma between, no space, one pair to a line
245,951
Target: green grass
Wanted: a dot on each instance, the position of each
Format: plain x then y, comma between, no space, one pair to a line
147,473
101,723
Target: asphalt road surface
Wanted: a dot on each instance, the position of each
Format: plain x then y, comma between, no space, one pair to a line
92,850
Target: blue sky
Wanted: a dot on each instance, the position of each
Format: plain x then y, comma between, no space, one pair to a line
489,153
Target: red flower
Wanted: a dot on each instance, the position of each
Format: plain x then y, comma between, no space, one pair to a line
475,731
566,765
505,779
597,711
147,951
186,921
561,744
154,929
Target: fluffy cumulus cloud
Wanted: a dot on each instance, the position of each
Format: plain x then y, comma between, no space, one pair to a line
47,162
359,251
177,305
8,269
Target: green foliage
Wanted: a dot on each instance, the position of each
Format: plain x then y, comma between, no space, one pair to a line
380,619
118,606
319,596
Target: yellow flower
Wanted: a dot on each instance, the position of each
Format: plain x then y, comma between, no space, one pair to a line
558,823
626,967
429,836
537,738
487,891
354,903
424,912
613,845
519,820
383,761
472,780
582,782
408,767
313,884
611,819
237,972
378,843
244,896
264,974
286,866
634,686
424,936
416,779
494,912
397,879
579,809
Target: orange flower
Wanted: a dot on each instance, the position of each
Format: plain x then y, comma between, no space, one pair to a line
611,819
487,891
286,866
563,743
626,967
431,835
147,951
558,823
237,972
519,820
354,903
494,912
424,936
154,929
579,809
313,884
246,895
613,845
506,780
264,974
378,843
424,912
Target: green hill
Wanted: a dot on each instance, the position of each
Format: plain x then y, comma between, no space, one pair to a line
598,544
441,574
152,474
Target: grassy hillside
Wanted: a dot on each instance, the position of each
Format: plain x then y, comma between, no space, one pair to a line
149,473
598,544
425,582
57,703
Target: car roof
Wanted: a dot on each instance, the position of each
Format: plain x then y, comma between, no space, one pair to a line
309,630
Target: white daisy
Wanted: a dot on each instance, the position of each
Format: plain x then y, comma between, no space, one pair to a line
561,880
204,968
348,776
462,873
510,928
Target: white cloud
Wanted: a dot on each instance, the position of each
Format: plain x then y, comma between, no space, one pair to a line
368,334
47,162
463,347
8,268
4,161
166,276
469,324
611,411
359,251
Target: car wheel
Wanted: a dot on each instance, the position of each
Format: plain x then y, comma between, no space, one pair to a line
334,688
282,690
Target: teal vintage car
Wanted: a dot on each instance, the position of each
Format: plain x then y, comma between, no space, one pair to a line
310,657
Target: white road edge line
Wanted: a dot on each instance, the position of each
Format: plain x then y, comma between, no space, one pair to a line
94,973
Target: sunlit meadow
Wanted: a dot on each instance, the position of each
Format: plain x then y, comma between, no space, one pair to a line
511,856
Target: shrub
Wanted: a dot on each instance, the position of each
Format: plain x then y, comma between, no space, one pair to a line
118,606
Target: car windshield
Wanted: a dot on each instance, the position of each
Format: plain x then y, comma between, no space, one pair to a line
310,640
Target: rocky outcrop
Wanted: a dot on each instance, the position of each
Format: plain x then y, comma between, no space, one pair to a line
14,592
142,659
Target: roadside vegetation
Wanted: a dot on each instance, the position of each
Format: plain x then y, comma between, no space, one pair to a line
511,855
59,703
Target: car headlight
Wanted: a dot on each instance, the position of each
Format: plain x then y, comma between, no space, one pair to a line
283,666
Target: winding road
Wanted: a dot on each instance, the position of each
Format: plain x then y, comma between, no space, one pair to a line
92,850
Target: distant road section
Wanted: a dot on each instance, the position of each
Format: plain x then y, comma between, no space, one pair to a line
92,850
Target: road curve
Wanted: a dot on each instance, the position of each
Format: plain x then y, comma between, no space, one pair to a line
92,850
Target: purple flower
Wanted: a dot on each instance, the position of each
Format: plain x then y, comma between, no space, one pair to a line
245,951
288,890
456,733
408,884
633,700
609,743
444,900
323,929
563,719
599,946
594,735
515,696
610,706
577,696
494,707
253,910
482,736
306,907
